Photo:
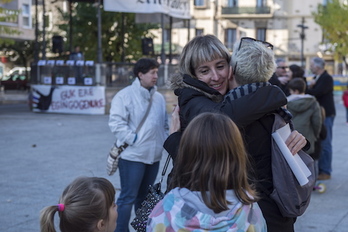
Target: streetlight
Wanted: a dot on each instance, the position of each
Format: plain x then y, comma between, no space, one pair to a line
99,46
302,36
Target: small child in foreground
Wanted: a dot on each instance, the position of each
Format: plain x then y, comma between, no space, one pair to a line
86,205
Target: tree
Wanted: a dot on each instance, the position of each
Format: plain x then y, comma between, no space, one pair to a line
20,52
7,15
16,51
333,18
115,37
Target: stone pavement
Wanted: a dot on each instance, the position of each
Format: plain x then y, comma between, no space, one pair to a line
42,153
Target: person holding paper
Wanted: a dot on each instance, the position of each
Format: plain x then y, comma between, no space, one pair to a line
252,64
199,84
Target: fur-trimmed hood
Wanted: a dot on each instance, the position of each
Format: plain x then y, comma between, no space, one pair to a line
178,81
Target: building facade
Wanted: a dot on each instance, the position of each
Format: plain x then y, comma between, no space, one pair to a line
288,25
280,22
23,23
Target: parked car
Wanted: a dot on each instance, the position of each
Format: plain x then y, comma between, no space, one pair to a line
17,70
15,81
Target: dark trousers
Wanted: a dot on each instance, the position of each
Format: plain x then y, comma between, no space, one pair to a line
274,219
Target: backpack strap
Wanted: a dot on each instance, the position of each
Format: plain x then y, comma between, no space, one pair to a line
281,117
286,115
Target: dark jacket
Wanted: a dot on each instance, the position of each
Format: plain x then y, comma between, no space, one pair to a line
323,92
195,97
251,114
274,81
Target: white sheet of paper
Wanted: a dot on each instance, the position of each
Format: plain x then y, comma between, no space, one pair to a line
284,133
295,162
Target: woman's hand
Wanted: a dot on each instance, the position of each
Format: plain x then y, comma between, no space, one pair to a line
295,142
175,121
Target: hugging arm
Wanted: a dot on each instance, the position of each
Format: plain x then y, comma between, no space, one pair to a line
249,108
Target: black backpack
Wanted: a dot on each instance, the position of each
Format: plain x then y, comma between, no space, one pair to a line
291,198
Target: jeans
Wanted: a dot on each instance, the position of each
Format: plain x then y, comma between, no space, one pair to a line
326,145
347,114
135,179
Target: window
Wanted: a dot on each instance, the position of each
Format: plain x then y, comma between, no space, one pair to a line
199,31
8,16
199,2
230,38
260,3
26,18
232,3
48,21
261,34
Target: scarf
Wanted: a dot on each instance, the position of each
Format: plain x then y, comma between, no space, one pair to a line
244,90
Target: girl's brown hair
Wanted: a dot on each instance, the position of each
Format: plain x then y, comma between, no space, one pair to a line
212,158
86,200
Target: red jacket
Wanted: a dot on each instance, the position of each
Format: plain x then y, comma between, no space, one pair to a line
345,98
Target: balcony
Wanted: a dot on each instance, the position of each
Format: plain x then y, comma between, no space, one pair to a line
236,11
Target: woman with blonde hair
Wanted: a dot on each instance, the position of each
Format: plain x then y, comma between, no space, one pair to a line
250,102
204,72
210,191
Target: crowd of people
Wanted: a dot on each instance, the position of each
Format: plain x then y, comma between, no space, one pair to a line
219,140
321,87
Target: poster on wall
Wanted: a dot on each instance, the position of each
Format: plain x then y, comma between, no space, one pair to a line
68,99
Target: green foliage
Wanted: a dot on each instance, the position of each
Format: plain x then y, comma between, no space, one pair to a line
333,18
85,32
20,52
9,16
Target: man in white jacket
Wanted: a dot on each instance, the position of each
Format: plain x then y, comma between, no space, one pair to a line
139,162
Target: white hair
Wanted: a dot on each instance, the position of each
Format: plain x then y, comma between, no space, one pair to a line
318,62
252,62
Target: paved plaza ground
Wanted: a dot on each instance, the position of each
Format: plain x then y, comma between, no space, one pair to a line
41,153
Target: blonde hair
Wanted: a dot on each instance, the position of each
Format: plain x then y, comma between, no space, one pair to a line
212,158
202,48
86,200
253,62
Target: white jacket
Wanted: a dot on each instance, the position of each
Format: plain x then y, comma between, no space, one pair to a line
128,107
